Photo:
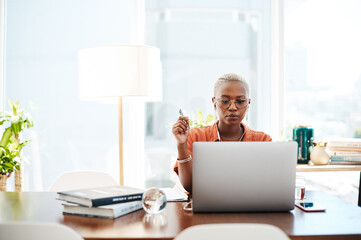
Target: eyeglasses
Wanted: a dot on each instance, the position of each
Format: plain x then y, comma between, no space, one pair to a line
240,103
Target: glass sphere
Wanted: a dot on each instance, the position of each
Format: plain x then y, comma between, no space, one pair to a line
154,201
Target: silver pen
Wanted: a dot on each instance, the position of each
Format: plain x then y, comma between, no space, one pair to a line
181,113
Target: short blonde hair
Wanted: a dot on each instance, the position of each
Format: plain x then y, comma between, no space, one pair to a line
230,77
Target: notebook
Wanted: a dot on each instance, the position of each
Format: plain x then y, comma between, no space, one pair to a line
244,176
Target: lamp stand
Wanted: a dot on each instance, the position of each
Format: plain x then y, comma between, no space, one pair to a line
120,118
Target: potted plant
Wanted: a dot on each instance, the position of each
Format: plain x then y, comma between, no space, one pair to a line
199,121
11,159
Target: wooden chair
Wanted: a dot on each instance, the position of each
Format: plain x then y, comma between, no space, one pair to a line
81,179
39,231
232,231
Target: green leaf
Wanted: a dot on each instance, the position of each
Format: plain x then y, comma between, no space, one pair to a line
199,115
7,151
11,103
29,121
209,119
6,137
22,125
8,165
21,145
16,125
2,151
14,107
14,153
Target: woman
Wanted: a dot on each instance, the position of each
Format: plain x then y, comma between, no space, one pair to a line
231,102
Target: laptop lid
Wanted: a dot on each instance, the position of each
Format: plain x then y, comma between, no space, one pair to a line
243,176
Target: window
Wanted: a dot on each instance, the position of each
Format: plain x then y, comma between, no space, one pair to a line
322,63
199,41
323,78
42,43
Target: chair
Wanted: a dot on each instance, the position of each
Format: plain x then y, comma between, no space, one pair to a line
81,179
39,231
232,231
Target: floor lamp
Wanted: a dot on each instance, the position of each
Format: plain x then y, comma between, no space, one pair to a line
118,71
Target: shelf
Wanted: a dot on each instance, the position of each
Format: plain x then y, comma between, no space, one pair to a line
327,168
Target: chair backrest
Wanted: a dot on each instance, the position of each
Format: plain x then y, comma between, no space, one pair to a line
39,231
232,231
81,179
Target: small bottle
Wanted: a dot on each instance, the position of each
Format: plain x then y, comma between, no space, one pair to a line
319,156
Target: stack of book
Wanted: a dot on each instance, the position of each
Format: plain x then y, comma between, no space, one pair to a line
345,151
104,202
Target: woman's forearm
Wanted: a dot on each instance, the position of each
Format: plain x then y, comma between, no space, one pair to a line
185,169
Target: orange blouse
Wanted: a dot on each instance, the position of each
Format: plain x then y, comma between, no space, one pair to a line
210,134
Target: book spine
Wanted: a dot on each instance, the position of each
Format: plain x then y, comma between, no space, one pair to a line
345,144
345,153
118,199
345,163
346,158
344,149
122,211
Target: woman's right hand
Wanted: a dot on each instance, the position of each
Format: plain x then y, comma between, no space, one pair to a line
180,129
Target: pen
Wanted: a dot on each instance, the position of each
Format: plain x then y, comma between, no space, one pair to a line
181,113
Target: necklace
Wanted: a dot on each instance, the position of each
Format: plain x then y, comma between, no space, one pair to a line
230,139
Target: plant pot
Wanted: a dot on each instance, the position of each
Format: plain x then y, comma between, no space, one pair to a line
3,181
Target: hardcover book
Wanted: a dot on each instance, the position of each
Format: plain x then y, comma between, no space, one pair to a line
348,149
107,211
345,163
346,158
345,153
93,197
345,144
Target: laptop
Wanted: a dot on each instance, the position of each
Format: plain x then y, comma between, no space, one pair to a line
244,176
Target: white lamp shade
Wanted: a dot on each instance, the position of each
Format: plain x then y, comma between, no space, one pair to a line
120,70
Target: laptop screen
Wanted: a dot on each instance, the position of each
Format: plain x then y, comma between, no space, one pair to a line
243,176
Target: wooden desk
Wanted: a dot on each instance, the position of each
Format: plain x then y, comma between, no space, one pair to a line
332,168
342,220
